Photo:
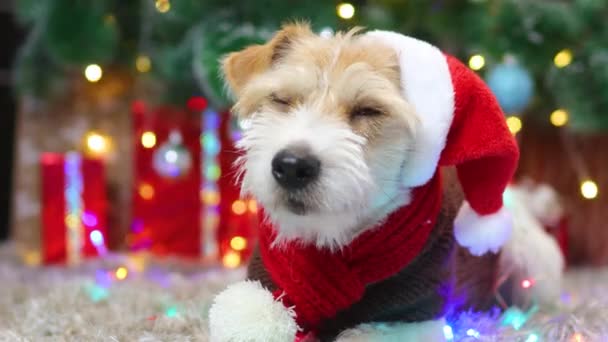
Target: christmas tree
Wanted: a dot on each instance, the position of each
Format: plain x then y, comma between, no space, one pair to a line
534,51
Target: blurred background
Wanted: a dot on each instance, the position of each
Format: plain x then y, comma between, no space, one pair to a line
116,133
116,153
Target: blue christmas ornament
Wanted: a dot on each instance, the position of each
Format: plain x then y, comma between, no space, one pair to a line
512,85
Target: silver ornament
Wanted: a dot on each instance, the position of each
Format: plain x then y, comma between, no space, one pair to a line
172,159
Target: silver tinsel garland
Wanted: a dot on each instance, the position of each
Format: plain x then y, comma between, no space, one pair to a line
168,301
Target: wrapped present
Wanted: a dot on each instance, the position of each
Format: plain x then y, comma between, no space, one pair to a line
69,122
166,205
74,206
185,200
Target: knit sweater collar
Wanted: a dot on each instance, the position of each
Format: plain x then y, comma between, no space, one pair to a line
319,283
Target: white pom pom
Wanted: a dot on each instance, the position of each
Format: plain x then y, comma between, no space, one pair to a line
482,233
246,311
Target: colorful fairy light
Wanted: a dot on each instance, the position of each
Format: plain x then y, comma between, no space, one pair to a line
516,318
211,143
96,238
196,103
527,283
239,207
74,205
514,124
97,293
477,62
559,118
231,259
210,194
93,73
96,143
110,19
448,333
32,258
532,338
143,63
211,197
148,139
563,58
121,273
163,6
146,191
238,243
507,197
345,10
71,220
253,206
473,333
577,337
171,311
589,189
89,219
213,172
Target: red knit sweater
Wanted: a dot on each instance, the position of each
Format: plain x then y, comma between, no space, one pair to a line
319,283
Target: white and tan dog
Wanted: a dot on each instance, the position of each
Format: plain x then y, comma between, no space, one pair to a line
344,134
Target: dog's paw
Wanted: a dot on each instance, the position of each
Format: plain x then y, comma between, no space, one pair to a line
246,311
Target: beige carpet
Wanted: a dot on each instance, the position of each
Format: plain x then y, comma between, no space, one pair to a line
169,301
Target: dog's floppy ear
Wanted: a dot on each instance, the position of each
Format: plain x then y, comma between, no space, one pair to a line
239,67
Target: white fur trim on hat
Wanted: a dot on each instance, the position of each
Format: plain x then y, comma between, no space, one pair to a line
482,233
246,311
427,84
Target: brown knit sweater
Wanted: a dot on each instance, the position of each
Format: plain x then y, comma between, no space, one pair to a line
443,277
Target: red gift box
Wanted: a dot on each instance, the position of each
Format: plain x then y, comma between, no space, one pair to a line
198,213
74,207
166,209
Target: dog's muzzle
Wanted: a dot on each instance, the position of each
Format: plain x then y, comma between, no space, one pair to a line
294,168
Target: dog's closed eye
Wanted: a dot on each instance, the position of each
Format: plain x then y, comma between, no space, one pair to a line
366,111
280,100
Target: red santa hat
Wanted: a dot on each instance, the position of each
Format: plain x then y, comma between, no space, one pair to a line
461,125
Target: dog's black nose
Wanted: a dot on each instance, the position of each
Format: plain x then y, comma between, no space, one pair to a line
295,168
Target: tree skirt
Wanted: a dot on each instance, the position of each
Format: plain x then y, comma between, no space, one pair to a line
169,301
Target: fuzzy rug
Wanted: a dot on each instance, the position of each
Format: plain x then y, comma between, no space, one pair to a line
169,301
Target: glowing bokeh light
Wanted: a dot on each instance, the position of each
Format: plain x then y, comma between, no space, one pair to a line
96,237
231,259
589,189
96,143
93,73
239,207
563,58
148,139
448,333
143,63
514,124
238,243
121,273
559,117
163,6
345,10
477,62
146,191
